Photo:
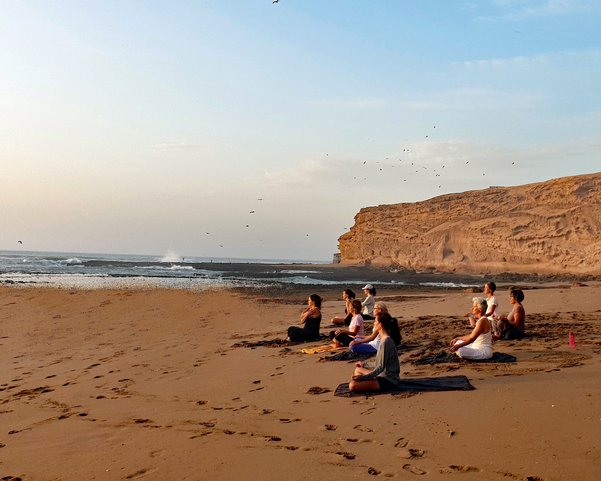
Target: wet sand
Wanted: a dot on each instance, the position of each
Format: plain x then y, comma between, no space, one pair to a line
132,384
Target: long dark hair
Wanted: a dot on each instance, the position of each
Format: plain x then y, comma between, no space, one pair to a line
390,325
316,300
350,294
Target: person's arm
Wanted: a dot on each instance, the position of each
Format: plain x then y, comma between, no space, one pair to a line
351,332
384,356
369,338
469,338
308,312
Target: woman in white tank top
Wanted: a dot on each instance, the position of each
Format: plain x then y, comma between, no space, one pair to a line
478,344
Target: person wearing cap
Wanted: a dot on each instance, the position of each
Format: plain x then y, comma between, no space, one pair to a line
369,302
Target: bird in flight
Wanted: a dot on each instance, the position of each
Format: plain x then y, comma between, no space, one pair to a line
252,212
20,242
275,1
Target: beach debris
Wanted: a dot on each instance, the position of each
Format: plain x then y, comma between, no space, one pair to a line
142,420
318,390
451,432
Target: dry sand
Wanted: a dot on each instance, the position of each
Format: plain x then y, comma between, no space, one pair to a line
114,385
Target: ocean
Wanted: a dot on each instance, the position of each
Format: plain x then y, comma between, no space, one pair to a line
96,271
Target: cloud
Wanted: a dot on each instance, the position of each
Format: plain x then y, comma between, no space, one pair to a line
472,99
526,9
355,104
307,173
174,146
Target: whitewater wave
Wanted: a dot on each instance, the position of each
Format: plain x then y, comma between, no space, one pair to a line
171,256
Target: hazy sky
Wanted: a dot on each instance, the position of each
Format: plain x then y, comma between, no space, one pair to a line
148,126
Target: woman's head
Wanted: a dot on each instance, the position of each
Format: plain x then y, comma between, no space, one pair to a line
490,288
356,306
348,294
369,289
479,304
380,307
316,300
516,294
385,321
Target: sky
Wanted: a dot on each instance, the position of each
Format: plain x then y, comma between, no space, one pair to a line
246,128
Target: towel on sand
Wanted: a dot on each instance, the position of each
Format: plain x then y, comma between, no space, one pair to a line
416,384
445,357
327,348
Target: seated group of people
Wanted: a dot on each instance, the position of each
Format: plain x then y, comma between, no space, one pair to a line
487,325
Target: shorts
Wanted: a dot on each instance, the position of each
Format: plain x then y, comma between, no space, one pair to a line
511,333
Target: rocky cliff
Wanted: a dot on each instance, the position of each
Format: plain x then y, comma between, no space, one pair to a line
551,227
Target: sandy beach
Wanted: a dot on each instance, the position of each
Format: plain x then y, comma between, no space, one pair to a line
150,384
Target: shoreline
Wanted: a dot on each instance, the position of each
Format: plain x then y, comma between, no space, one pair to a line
279,275
125,384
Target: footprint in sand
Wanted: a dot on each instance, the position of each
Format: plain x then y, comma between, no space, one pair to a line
331,427
346,454
364,429
138,474
463,469
12,478
288,420
411,453
373,471
401,443
413,469
534,478
273,438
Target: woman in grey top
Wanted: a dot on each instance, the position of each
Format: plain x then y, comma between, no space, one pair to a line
384,376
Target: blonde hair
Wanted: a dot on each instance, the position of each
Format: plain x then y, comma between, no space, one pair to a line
381,306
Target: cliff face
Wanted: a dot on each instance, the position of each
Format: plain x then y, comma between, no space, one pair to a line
550,227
